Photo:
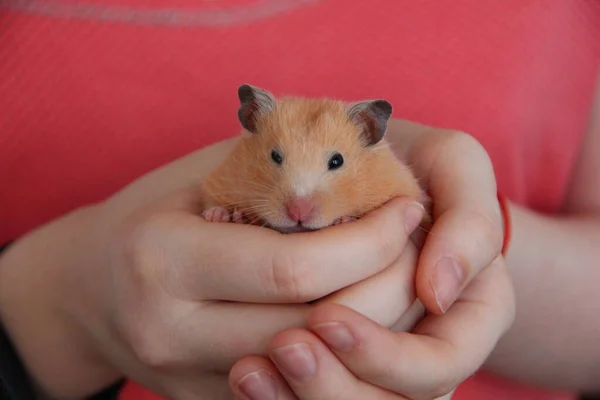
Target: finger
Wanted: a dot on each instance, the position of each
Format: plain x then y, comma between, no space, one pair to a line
410,318
441,352
253,264
256,378
313,372
467,233
177,336
386,296
238,329
447,396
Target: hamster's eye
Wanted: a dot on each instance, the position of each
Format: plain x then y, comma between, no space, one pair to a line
276,157
335,161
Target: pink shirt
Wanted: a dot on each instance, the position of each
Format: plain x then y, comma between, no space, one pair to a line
93,96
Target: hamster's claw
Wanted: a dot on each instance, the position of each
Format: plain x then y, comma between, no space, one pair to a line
344,220
216,214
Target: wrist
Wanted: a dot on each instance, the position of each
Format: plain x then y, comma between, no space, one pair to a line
40,297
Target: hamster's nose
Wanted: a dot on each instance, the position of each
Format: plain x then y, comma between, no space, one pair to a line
299,209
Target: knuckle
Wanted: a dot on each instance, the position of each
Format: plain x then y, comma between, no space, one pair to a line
153,342
146,335
132,237
290,277
441,386
464,140
489,231
141,246
443,389
469,147
378,373
504,303
391,240
148,345
485,235
439,392
389,245
150,354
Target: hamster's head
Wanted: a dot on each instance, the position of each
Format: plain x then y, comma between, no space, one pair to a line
308,162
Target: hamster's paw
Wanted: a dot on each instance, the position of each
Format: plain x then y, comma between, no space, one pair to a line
344,220
216,214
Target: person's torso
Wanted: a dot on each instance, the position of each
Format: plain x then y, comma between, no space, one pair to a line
94,94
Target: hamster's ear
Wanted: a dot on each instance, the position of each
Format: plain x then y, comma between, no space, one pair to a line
372,117
253,102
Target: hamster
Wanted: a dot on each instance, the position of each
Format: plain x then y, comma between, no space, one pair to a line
304,164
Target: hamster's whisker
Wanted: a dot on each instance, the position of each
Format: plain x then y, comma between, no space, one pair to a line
240,201
256,198
252,211
256,184
248,184
258,202
255,219
238,192
258,209
256,215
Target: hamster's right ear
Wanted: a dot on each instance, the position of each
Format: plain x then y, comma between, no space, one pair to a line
253,103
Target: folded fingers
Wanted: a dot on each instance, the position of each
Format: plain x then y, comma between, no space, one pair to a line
309,369
440,353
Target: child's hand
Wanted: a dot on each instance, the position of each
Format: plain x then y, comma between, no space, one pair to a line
470,297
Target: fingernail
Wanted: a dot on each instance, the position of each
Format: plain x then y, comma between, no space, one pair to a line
446,282
258,385
296,360
336,335
413,216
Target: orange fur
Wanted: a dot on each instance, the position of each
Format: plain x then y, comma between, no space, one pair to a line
307,132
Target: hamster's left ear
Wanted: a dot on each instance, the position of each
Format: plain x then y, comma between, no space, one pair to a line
254,102
372,117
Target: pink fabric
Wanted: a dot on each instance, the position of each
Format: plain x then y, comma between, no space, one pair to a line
93,95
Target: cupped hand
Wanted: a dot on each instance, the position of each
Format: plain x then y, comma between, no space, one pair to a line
148,289
191,297
467,233
461,279
343,354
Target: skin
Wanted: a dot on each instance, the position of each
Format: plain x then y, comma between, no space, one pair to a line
109,307
439,341
486,305
86,311
558,284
